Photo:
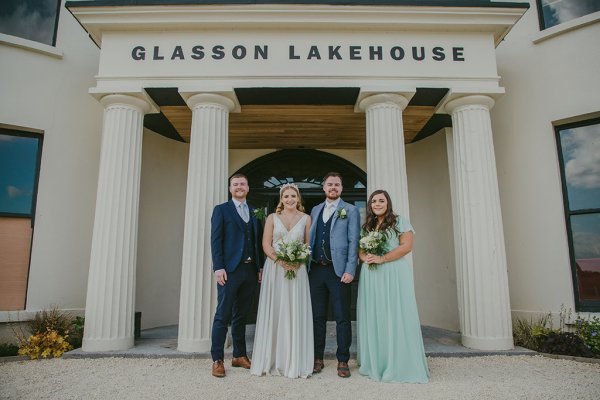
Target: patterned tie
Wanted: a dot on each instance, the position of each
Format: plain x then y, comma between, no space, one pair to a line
243,210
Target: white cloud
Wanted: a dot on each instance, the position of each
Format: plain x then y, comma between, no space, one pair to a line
565,10
587,244
37,25
14,192
583,148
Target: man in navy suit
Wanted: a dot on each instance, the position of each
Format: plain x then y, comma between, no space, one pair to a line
334,236
236,239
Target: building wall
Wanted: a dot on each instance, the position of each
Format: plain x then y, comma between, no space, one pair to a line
47,94
431,215
546,83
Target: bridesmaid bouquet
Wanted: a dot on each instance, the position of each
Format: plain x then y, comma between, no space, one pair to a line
372,242
293,253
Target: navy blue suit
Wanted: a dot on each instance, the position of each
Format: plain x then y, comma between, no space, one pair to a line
232,242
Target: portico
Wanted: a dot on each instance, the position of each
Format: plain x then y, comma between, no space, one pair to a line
207,56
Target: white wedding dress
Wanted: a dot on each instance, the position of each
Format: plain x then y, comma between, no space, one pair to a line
283,341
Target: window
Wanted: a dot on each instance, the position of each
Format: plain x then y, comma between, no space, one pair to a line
579,150
35,20
19,163
554,12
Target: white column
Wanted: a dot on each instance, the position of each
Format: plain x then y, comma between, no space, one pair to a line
206,187
109,312
481,258
386,158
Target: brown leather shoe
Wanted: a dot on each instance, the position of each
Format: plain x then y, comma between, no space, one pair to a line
241,362
343,370
218,369
318,366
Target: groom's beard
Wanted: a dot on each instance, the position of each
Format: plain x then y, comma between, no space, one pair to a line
333,195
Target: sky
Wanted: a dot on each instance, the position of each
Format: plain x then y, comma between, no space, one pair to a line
18,156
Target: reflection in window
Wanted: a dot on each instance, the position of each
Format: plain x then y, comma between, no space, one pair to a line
586,246
18,172
30,19
579,146
305,168
554,12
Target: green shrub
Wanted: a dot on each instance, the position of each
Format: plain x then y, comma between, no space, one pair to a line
566,343
531,334
589,331
76,336
8,349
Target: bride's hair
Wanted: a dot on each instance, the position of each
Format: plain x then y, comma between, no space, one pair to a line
285,187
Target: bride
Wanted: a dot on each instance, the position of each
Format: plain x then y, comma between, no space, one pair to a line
283,341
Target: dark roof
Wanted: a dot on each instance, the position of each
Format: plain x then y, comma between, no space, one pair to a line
426,3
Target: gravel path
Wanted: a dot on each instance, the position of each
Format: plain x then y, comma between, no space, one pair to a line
492,377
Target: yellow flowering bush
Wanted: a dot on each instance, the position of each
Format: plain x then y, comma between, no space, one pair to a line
48,344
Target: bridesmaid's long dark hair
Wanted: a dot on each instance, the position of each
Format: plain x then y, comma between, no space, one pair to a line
389,218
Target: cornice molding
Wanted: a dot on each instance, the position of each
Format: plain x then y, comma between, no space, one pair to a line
97,20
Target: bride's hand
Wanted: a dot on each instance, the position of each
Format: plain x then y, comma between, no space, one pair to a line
286,266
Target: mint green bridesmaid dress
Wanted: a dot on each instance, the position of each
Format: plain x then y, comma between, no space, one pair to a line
390,344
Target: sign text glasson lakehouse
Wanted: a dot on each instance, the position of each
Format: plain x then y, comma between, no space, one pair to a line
295,52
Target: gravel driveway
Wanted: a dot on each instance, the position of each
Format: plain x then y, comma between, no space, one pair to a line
491,377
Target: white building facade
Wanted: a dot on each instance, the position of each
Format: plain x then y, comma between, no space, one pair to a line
479,119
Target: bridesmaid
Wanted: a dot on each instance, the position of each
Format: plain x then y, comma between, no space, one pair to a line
390,345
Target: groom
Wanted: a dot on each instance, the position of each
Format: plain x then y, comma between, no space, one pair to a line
235,241
334,235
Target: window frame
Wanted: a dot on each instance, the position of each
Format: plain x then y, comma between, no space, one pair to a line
54,33
38,164
540,12
580,305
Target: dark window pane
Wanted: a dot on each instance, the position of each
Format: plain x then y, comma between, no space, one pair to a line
586,246
30,19
581,156
18,167
558,11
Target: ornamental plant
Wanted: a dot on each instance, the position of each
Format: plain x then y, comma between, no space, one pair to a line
48,344
50,334
589,331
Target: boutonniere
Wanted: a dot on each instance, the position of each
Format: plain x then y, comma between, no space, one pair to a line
342,213
260,213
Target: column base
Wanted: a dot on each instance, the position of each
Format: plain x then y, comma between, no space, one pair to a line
194,345
92,345
493,343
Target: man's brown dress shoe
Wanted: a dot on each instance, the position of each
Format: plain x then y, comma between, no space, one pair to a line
218,369
318,366
343,370
241,362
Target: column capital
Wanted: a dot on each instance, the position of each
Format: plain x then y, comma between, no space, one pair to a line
466,101
141,105
383,98
210,98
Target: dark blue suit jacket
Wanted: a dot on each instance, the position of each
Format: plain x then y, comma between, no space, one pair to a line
227,237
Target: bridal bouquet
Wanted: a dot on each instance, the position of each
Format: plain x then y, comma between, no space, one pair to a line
372,242
293,253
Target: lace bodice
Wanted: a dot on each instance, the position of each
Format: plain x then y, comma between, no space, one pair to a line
280,231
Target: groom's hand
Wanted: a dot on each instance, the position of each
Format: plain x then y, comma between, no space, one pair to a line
347,278
221,276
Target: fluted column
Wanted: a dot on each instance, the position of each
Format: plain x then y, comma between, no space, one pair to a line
386,158
206,187
109,312
481,268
